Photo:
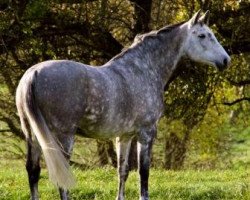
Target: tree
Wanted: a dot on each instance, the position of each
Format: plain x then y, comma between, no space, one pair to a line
93,31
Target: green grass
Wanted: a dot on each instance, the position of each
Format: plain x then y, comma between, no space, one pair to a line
101,184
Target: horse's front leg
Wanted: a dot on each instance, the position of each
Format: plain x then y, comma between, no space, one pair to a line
144,146
123,145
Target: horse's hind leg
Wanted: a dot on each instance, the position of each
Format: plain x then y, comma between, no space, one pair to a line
66,141
123,145
33,156
33,167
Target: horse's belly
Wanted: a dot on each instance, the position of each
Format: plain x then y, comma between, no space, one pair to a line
104,130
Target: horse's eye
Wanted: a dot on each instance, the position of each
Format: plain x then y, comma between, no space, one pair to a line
202,36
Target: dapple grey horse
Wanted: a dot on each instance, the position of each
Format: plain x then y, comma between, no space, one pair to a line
122,99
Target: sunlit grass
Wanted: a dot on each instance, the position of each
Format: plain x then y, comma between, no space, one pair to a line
101,184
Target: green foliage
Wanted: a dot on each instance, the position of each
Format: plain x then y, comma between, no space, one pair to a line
37,9
240,158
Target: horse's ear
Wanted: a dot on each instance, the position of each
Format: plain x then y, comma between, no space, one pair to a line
205,18
194,20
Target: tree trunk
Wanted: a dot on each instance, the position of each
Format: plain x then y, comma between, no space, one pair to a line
106,153
142,15
111,153
175,151
102,154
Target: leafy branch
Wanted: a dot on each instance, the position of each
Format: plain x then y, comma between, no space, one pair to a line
236,101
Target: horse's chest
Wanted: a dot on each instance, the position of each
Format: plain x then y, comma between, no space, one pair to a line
149,109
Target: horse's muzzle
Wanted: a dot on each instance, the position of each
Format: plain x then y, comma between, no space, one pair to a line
224,64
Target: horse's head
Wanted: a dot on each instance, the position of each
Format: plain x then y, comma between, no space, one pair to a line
201,44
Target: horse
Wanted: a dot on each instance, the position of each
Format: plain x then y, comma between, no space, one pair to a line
122,98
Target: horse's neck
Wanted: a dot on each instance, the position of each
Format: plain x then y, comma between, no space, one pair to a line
156,56
169,53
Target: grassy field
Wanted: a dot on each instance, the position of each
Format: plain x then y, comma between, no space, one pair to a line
101,184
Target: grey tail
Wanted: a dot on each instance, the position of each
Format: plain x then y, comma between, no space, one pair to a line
56,162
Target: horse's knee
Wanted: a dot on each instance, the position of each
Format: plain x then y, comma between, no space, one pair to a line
33,172
123,172
144,168
33,162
